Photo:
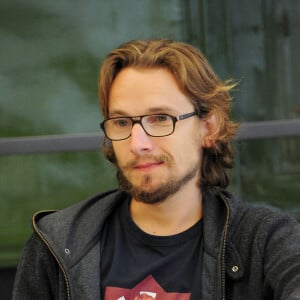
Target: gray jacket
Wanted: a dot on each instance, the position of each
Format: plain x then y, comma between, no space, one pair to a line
249,253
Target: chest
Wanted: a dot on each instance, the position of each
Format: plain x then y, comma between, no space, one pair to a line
133,262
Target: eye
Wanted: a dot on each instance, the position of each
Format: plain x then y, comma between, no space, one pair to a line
158,119
122,122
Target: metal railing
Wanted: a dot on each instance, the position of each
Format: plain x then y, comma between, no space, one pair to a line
92,141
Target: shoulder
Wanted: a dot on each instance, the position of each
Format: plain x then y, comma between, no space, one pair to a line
260,233
264,222
252,227
247,218
93,208
265,245
78,227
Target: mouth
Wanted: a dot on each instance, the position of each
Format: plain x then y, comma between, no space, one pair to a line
147,166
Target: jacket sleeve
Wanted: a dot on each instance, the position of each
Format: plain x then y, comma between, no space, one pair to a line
281,256
38,274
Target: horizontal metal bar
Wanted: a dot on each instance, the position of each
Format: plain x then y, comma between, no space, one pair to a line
269,129
92,141
50,143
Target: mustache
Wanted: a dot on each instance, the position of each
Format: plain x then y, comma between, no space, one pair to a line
141,159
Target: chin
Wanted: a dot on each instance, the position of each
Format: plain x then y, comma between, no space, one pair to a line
151,192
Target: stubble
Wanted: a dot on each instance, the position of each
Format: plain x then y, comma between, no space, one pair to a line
145,193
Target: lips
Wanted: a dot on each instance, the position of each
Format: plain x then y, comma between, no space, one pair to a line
147,165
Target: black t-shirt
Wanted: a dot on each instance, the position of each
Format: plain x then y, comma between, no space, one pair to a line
136,265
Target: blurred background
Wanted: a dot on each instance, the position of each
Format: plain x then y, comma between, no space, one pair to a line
50,54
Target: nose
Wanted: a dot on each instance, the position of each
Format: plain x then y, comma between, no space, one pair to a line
140,141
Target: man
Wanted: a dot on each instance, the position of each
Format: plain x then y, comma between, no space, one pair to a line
171,231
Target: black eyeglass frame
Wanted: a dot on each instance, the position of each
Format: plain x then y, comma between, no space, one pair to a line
134,120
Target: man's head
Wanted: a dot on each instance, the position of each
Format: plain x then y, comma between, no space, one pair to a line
184,69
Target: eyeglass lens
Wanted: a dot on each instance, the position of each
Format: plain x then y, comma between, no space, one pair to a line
154,125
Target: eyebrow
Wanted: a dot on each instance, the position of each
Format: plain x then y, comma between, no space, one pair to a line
151,110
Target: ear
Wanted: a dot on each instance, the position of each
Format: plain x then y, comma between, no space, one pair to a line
211,129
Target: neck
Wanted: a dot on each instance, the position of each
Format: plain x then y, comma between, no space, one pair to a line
175,214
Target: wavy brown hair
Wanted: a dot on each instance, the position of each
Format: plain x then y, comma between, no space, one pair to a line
197,80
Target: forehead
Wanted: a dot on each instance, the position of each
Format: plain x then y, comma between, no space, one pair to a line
141,90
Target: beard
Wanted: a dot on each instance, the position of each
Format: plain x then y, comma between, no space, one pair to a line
155,195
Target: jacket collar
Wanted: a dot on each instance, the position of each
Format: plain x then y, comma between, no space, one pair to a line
72,231
221,207
77,227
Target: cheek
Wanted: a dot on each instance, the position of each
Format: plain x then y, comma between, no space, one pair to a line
184,152
118,151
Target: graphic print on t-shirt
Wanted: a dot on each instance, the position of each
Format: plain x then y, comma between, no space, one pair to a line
148,289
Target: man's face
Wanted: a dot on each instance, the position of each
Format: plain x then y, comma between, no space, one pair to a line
153,168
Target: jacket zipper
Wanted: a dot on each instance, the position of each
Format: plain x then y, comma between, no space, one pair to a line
55,256
223,296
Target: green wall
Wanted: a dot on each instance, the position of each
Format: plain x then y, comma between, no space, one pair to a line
50,57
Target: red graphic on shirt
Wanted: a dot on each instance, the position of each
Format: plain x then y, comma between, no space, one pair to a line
148,289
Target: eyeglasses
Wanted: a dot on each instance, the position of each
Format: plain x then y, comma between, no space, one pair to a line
156,125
